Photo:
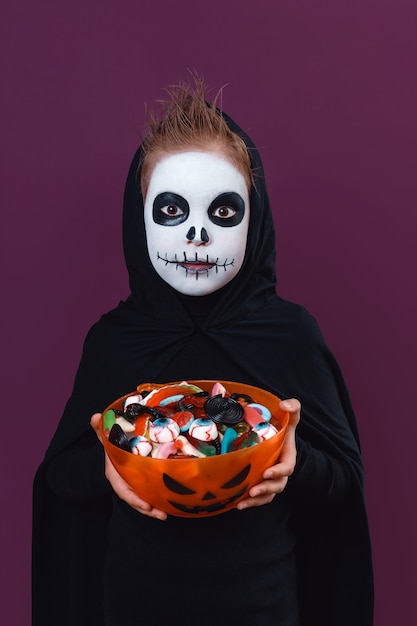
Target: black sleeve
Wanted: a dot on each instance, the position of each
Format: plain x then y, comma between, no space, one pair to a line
77,473
318,476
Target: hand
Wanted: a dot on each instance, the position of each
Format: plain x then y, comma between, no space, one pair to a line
276,477
120,486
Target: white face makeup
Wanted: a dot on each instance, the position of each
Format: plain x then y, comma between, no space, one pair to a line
196,221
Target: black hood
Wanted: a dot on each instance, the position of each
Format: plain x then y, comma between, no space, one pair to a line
252,286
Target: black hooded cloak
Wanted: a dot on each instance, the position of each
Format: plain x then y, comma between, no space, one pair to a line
242,332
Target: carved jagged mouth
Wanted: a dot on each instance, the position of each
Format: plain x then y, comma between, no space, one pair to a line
196,266
208,508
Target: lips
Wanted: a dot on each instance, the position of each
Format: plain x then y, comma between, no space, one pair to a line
199,266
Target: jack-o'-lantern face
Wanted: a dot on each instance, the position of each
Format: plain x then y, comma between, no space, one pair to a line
210,502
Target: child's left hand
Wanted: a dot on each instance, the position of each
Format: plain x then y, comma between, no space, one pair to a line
276,477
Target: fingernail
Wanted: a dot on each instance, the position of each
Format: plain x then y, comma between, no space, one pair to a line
286,404
242,506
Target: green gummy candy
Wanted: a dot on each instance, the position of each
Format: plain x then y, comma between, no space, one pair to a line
109,418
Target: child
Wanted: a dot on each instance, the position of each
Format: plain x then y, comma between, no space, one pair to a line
199,246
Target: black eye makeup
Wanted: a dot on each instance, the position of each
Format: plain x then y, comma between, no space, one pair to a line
170,209
227,209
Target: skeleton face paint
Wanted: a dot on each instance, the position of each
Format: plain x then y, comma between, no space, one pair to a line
196,221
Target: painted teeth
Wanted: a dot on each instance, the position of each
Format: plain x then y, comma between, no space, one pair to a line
196,261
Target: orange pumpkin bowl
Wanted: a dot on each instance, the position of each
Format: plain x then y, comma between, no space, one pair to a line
201,487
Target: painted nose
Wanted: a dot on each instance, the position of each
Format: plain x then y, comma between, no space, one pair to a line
192,236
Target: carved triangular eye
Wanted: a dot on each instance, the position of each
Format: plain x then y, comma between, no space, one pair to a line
175,486
239,478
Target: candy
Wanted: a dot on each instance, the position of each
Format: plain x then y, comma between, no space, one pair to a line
132,411
141,445
207,448
118,438
244,441
181,421
163,429
265,430
109,418
204,429
156,396
218,390
242,398
171,399
136,399
125,425
263,410
229,435
166,449
223,410
187,448
141,425
251,416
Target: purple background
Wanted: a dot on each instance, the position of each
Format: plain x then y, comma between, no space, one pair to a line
327,90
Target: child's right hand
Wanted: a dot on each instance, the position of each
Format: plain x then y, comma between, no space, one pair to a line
120,486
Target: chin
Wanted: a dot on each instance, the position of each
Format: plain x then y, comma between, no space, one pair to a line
204,286
191,286
197,290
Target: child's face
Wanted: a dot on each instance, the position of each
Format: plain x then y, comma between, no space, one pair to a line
196,221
